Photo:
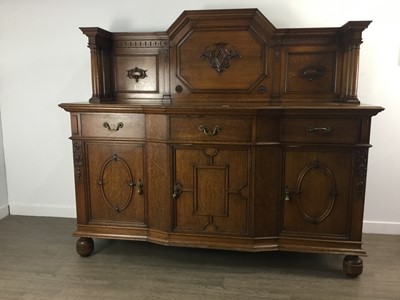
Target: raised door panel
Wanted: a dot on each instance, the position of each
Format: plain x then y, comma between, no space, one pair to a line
316,197
116,184
311,71
211,193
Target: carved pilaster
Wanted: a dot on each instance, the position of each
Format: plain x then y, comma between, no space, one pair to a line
361,169
350,35
78,159
99,45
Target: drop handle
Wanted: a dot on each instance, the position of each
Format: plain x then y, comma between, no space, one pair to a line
139,187
319,129
177,191
215,131
287,193
113,128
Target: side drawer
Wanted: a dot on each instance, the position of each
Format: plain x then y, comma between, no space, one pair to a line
210,129
318,130
113,125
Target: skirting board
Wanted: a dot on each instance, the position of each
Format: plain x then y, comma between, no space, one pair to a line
43,211
380,227
4,211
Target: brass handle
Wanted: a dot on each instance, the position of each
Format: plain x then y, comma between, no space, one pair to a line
319,129
136,73
312,73
204,129
139,187
114,128
177,191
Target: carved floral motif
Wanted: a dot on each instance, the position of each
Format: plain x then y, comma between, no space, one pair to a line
220,56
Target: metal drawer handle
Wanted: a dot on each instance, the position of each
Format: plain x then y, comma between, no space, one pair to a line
204,129
114,128
319,129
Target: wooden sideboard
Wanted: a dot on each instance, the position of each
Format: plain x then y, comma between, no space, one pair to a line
224,132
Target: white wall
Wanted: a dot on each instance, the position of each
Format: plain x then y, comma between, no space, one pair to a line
3,183
44,61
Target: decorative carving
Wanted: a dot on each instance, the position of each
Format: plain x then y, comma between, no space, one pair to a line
136,74
361,169
78,159
179,89
220,56
142,44
312,73
331,194
116,159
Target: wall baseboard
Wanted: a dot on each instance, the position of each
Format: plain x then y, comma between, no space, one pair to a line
21,209
381,227
4,211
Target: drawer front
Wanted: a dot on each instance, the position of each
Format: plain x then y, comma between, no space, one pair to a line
304,130
210,129
113,125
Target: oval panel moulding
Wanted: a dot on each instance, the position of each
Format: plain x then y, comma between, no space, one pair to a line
316,192
116,183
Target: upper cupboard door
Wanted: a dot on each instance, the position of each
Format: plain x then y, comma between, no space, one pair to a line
221,56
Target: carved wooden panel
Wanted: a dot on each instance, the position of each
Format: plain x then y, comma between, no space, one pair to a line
310,70
220,56
116,183
316,196
147,69
233,60
140,66
213,191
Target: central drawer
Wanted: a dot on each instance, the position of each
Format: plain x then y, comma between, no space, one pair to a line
318,130
210,129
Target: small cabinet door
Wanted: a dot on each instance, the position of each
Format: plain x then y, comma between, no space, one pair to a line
316,193
115,183
211,190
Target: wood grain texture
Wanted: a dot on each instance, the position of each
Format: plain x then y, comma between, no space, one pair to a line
38,261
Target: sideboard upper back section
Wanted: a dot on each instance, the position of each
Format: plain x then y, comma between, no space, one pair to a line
226,56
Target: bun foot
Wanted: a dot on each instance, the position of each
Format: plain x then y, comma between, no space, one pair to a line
352,265
84,246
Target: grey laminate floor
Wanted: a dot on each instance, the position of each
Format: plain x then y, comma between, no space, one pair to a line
38,261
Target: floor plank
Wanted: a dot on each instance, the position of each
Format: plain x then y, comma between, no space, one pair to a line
38,261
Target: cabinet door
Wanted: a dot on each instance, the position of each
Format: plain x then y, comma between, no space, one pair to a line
316,194
211,190
115,183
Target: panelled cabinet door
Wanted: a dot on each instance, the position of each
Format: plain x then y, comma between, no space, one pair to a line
116,183
211,190
316,193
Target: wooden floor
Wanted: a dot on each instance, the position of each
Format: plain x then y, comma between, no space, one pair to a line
38,261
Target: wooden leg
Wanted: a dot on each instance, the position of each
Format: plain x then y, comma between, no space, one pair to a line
352,265
84,246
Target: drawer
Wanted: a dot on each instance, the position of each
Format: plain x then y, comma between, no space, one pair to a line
210,129
113,125
316,130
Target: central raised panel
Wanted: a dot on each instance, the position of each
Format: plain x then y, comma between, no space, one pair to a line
210,197
245,70
213,192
